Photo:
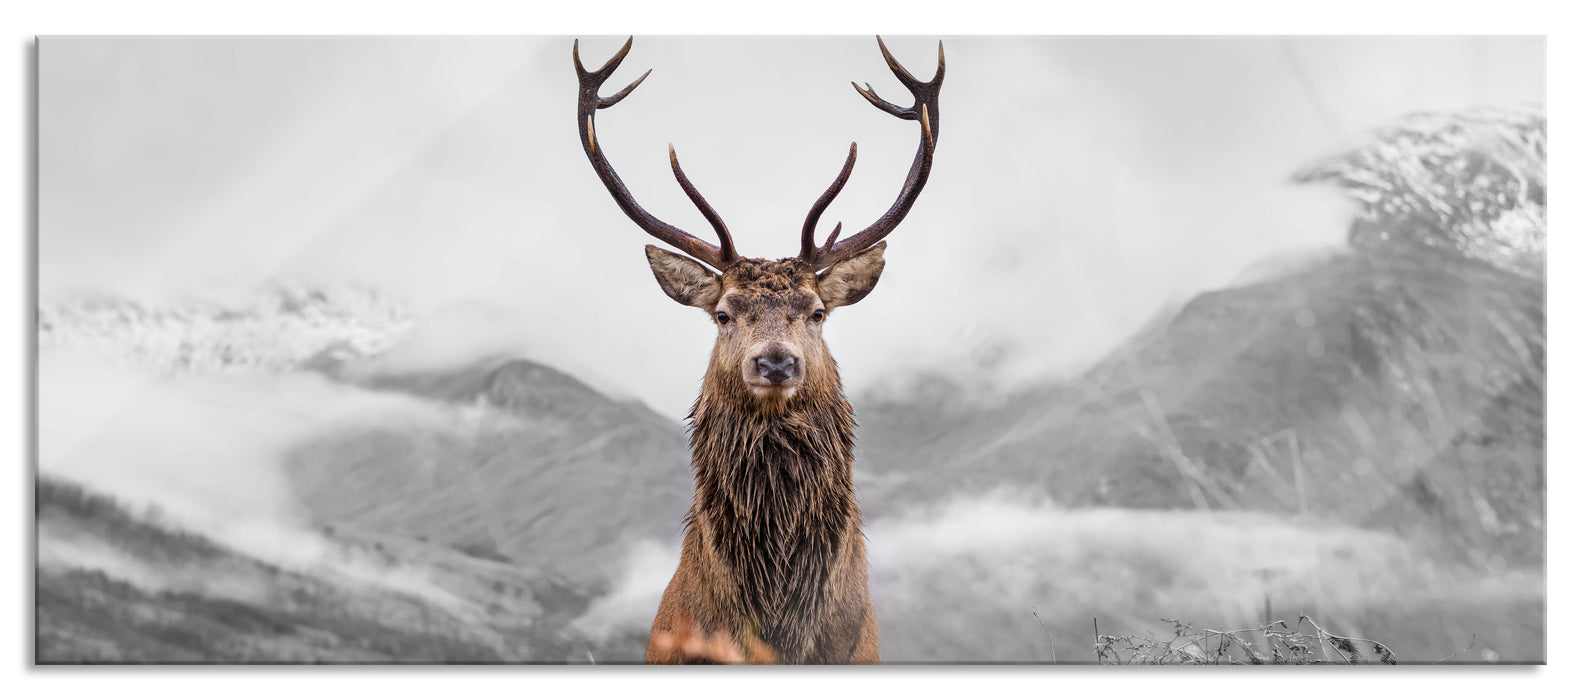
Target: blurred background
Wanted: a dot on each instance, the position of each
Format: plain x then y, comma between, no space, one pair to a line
345,354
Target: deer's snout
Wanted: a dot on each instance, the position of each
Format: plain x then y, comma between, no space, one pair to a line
776,366
773,366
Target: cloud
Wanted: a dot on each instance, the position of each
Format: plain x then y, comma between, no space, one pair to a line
634,597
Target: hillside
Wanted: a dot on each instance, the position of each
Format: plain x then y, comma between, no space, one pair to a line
118,586
569,483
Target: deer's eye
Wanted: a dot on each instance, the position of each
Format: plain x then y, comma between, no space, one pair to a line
722,317
818,316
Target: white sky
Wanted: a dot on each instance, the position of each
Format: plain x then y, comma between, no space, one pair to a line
1080,182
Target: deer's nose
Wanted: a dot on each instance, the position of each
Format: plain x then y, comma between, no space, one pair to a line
777,367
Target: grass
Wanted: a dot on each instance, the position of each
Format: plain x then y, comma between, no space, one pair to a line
1272,643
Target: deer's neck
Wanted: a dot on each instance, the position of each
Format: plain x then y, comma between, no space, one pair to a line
774,503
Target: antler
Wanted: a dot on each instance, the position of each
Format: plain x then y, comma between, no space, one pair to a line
588,101
924,109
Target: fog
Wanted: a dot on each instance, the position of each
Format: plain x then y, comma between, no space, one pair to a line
446,172
959,581
956,580
204,453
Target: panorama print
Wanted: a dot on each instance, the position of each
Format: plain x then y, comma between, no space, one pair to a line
1182,350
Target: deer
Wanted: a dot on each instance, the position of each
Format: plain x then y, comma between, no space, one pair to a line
773,558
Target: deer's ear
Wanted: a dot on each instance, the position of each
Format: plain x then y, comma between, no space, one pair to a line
684,279
847,282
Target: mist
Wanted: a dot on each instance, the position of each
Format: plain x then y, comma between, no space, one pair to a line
204,452
958,581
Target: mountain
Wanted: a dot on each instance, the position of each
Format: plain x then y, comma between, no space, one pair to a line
570,481
1397,385
567,475
1336,390
279,326
1357,436
499,475
1471,183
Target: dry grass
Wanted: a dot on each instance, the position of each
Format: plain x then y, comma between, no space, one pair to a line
1274,643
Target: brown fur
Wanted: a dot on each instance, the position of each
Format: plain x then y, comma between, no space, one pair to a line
773,549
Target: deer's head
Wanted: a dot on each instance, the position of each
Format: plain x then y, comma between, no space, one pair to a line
769,314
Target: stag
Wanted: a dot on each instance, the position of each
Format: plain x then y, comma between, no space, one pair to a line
773,557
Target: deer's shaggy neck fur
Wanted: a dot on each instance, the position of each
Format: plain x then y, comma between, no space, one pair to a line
774,523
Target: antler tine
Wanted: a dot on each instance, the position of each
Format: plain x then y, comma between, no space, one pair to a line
925,110
832,236
588,102
880,102
604,72
617,97
727,247
811,222
895,66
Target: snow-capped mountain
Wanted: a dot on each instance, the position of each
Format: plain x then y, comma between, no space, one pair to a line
281,326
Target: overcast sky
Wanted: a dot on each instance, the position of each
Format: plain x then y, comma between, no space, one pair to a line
1080,182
